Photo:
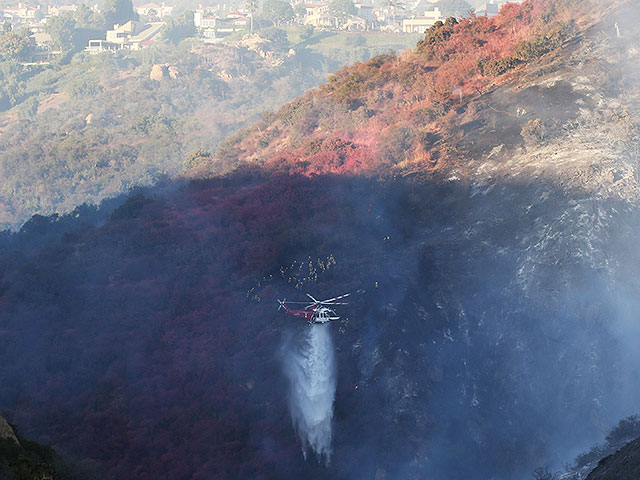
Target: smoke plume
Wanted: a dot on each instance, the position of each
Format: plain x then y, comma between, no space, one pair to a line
311,370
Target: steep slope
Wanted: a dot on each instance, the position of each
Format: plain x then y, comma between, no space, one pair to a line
623,465
21,459
540,78
6,432
492,320
89,129
484,329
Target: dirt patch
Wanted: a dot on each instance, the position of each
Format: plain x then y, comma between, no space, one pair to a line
53,101
7,120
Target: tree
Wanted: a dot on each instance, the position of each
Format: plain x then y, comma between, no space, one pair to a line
15,46
87,18
341,9
277,36
179,28
196,159
61,28
300,10
277,11
306,32
252,7
118,12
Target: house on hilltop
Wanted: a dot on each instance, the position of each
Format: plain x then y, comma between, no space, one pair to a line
42,50
213,28
418,24
130,36
20,14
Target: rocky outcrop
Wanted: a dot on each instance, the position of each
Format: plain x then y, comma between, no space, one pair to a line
6,432
158,72
164,71
622,465
174,72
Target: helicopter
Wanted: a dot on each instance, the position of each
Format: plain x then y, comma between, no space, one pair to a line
316,311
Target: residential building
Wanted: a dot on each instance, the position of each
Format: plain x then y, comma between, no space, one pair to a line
364,11
418,24
390,17
214,28
154,10
322,19
20,14
130,36
42,50
354,24
316,8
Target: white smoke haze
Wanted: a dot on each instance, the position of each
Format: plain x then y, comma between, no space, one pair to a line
311,370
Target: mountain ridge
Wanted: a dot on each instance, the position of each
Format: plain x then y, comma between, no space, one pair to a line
357,123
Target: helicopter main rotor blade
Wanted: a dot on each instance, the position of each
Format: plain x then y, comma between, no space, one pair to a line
313,299
334,298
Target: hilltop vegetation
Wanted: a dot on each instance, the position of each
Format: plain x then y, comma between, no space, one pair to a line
414,112
90,127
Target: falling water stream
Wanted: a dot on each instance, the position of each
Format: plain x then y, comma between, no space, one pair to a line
311,369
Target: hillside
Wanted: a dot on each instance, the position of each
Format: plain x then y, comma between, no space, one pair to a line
21,459
491,256
474,93
623,465
87,127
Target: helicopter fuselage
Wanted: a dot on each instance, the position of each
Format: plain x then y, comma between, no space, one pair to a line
314,314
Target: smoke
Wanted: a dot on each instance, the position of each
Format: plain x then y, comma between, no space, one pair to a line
311,370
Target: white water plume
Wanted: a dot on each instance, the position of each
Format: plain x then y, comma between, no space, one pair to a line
311,369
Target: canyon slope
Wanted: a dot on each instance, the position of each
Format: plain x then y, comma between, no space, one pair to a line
477,196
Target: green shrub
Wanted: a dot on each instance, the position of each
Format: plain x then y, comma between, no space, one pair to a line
496,67
84,87
438,33
306,32
543,43
294,111
196,158
395,145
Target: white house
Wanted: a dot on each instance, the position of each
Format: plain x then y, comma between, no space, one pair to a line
130,36
418,24
20,13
